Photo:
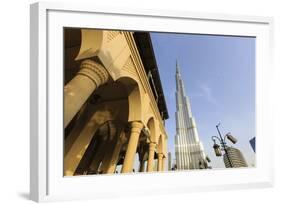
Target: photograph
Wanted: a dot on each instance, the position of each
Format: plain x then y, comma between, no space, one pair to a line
149,101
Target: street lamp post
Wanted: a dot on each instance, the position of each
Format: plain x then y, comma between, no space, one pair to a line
222,141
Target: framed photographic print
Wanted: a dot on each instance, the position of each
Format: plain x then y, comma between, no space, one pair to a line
154,101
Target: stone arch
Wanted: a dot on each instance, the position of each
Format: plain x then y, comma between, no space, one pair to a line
134,98
152,128
91,43
107,47
152,124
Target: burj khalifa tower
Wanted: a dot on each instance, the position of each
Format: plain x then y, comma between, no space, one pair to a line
189,149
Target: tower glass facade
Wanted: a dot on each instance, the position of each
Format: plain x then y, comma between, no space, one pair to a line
189,149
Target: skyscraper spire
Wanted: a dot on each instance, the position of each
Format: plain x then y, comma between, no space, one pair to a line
189,149
177,68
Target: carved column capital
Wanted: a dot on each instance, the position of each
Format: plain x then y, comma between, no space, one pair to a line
136,126
160,155
94,71
77,91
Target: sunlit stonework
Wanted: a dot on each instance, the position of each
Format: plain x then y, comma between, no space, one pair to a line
114,106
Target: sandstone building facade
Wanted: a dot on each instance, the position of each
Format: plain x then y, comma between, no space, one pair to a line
114,105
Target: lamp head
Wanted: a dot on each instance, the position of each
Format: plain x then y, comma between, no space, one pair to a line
217,150
231,138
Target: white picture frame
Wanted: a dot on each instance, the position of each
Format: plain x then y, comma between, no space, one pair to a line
46,179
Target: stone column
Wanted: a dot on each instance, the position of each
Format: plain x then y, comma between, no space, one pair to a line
160,162
79,146
115,156
132,146
163,164
90,76
107,156
94,166
142,166
150,161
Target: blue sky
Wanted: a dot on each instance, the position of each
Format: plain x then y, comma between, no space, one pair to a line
219,77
